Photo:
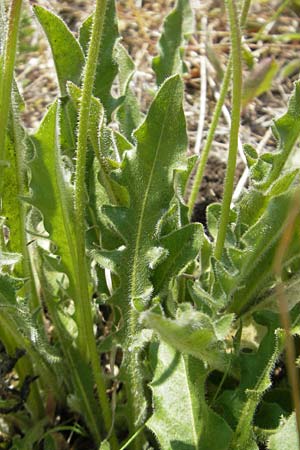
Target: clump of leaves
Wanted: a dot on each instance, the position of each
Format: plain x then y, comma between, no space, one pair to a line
132,320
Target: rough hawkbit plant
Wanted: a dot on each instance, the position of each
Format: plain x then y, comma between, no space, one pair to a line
122,324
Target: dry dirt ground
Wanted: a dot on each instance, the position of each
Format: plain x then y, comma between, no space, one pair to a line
271,36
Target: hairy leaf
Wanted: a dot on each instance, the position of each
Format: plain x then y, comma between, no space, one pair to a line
181,418
67,55
286,130
50,192
116,194
254,263
176,26
193,333
107,67
147,174
182,246
286,437
10,207
128,114
255,380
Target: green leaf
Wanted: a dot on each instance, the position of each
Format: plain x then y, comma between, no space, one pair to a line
255,380
128,114
107,67
67,53
213,214
182,246
259,80
286,130
291,292
192,333
116,193
10,201
203,300
177,25
96,117
50,192
32,436
286,437
181,419
69,59
290,68
147,173
260,242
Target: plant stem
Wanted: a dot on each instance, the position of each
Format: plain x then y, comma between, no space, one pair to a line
205,152
87,342
19,145
235,123
9,56
24,367
215,120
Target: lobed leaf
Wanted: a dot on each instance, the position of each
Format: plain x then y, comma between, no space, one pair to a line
147,174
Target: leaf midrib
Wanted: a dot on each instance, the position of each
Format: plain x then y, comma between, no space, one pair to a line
143,209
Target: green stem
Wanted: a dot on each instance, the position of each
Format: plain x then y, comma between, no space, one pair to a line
87,342
19,145
235,124
244,13
24,367
205,152
215,120
9,56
